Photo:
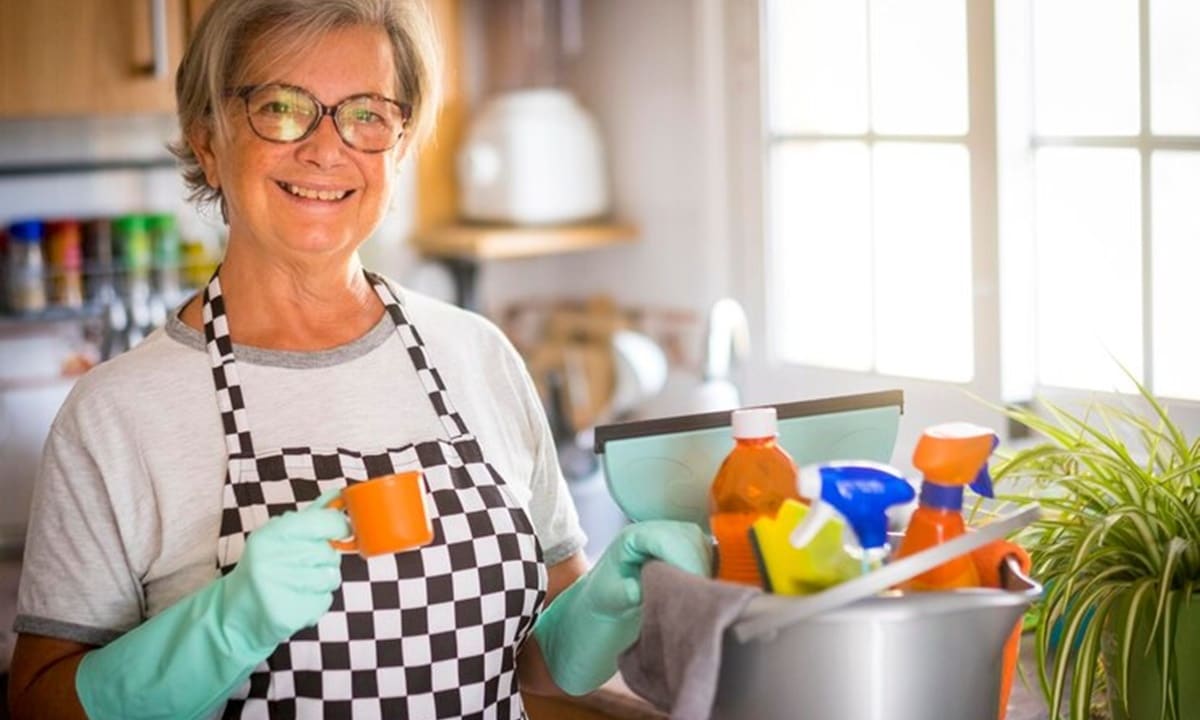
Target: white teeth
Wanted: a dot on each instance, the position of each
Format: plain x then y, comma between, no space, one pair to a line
316,194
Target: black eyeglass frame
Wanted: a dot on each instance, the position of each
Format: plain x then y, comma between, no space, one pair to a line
245,91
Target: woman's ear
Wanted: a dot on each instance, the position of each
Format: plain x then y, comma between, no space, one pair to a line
201,139
401,151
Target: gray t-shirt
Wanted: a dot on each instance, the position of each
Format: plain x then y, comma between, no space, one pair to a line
126,510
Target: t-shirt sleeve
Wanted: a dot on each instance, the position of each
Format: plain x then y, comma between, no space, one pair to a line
77,582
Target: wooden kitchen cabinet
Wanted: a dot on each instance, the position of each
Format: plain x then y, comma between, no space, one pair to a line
88,57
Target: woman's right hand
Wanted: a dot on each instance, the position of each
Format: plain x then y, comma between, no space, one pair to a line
285,579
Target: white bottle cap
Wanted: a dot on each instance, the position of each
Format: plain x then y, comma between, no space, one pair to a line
754,423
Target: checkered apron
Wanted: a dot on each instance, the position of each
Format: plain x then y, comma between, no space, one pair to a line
428,633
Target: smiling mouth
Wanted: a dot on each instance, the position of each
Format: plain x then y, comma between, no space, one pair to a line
310,194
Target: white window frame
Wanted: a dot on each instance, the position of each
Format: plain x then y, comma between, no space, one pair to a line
1004,369
768,377
1018,143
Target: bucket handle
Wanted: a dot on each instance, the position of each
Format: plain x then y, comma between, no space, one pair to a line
886,577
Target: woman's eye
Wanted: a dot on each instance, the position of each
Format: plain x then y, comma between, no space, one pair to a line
276,108
366,116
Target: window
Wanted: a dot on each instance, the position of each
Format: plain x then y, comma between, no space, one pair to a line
926,209
869,186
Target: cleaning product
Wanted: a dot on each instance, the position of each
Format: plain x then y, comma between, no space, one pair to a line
950,456
753,481
989,561
861,492
788,570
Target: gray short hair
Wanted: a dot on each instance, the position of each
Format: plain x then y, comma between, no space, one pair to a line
218,57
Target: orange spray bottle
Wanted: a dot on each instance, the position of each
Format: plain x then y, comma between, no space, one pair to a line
950,456
753,481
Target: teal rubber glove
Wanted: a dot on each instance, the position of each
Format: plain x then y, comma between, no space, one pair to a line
600,614
185,661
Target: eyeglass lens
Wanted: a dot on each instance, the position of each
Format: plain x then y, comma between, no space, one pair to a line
287,114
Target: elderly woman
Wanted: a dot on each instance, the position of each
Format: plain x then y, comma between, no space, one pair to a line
178,561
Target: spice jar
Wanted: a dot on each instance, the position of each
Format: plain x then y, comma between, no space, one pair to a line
65,252
164,241
26,269
131,240
100,274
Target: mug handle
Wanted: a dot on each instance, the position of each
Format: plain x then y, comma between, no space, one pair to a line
350,544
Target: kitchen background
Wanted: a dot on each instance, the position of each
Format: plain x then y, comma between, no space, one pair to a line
649,271
653,262
659,261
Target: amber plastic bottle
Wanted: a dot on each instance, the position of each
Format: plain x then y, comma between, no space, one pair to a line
754,480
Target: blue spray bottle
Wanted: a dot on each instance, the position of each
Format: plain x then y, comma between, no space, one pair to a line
861,492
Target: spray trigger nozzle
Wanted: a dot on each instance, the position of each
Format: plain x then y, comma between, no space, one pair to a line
982,484
819,514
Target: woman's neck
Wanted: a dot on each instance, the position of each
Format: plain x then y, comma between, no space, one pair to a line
294,306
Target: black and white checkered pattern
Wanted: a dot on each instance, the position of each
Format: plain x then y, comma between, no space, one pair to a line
429,633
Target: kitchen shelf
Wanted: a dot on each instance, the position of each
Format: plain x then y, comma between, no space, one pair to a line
71,167
51,319
462,247
506,242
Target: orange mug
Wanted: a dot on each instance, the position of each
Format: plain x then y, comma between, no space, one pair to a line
388,514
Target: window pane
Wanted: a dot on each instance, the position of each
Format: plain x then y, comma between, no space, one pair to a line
817,66
1176,251
919,66
1174,67
1089,277
923,303
1085,56
819,255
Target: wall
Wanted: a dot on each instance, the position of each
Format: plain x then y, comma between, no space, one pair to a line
637,75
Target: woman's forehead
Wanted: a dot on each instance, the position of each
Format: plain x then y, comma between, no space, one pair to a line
342,61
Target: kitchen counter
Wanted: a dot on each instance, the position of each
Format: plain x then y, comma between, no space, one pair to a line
613,700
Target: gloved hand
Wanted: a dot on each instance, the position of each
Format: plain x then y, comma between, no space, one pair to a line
185,661
600,614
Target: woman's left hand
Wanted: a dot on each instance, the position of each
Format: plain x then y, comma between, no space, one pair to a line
599,616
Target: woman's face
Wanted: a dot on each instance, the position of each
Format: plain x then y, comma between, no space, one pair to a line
317,196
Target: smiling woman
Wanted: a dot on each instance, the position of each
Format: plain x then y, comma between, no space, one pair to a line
300,200
179,560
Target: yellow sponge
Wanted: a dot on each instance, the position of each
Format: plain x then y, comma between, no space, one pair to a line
788,571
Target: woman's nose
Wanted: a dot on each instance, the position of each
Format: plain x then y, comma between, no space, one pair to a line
324,147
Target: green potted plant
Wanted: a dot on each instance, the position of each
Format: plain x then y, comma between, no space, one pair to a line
1118,548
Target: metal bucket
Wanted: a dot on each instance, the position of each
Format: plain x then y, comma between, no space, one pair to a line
922,656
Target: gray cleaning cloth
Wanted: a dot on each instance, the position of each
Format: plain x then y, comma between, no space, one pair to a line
676,660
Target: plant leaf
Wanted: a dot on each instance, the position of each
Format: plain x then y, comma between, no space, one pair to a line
1085,660
1126,647
1174,549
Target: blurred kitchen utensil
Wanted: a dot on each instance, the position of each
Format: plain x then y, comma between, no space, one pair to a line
533,157
726,347
727,339
641,371
577,346
574,455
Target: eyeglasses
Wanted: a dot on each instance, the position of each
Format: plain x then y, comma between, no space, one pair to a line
286,114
